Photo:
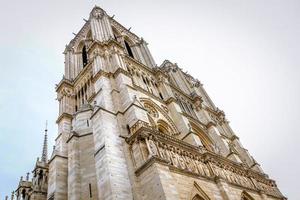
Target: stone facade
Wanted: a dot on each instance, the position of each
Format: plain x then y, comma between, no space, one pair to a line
130,129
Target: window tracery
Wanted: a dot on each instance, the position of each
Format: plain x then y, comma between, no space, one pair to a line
160,118
185,105
204,138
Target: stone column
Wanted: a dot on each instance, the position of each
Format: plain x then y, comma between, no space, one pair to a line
73,170
111,169
224,189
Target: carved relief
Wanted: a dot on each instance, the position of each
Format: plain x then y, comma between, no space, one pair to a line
160,116
98,13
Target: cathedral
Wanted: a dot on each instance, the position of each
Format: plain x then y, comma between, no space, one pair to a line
129,129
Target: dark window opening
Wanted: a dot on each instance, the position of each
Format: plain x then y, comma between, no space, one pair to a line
85,91
82,96
129,51
144,80
84,56
87,123
23,194
161,96
90,189
128,128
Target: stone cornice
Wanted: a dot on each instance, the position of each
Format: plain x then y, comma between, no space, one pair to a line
74,134
97,44
64,115
64,82
57,156
121,71
110,74
98,108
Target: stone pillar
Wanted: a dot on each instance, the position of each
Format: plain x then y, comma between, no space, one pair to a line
224,189
73,169
57,182
111,169
147,55
157,183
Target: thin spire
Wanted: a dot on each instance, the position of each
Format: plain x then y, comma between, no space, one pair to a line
45,146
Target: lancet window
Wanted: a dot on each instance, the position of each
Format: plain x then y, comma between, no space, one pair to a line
145,81
84,56
82,94
128,49
185,106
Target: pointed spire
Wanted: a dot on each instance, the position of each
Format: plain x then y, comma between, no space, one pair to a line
45,146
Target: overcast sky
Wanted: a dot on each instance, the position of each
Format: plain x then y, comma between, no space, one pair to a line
246,53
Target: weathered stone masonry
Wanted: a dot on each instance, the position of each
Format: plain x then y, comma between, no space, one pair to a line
130,129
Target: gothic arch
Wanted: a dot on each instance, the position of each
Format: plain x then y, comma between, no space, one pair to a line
205,139
164,127
128,39
197,197
198,193
246,196
82,55
89,36
80,46
161,114
116,32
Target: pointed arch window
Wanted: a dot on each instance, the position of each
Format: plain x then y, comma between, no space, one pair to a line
197,197
23,194
84,56
128,48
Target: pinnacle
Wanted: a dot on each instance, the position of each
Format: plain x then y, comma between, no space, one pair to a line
45,146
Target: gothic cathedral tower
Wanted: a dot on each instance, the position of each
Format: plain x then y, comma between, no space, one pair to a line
130,129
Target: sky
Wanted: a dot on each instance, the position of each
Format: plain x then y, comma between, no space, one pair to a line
246,53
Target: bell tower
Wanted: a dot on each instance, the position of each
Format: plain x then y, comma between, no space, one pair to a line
130,129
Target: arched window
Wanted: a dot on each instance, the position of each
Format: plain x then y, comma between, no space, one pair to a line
163,127
116,34
23,194
84,56
40,178
163,130
128,48
197,197
204,138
